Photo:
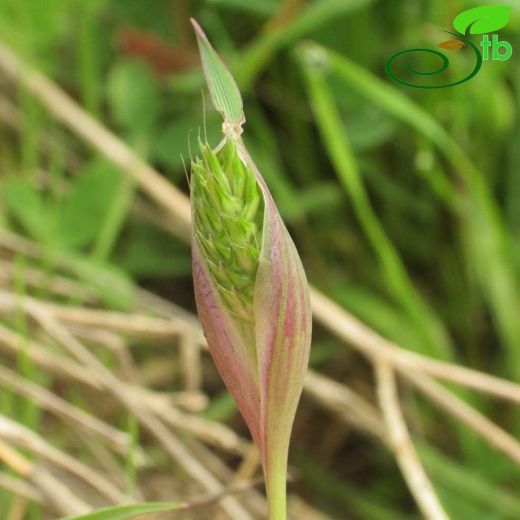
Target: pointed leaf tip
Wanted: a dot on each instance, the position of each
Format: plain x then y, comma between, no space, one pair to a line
198,30
223,89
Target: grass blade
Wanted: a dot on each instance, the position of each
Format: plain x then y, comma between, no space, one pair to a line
310,19
481,221
222,86
459,480
128,511
435,340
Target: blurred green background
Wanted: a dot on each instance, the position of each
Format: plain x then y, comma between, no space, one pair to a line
404,203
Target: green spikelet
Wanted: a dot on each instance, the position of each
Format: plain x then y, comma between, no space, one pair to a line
228,223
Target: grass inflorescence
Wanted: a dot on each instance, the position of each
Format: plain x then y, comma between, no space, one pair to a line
228,206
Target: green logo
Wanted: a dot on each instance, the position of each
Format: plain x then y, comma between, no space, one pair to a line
479,20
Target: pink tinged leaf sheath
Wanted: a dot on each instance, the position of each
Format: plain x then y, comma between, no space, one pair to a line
226,343
263,368
283,321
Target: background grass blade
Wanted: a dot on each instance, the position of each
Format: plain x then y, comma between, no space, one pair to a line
434,339
311,18
128,511
480,219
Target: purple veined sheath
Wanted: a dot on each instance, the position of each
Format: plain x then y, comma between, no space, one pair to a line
250,287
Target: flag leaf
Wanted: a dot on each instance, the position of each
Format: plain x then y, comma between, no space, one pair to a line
223,89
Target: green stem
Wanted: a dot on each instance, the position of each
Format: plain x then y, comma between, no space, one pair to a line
276,484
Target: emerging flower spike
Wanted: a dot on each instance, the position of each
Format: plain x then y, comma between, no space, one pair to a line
228,211
250,287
